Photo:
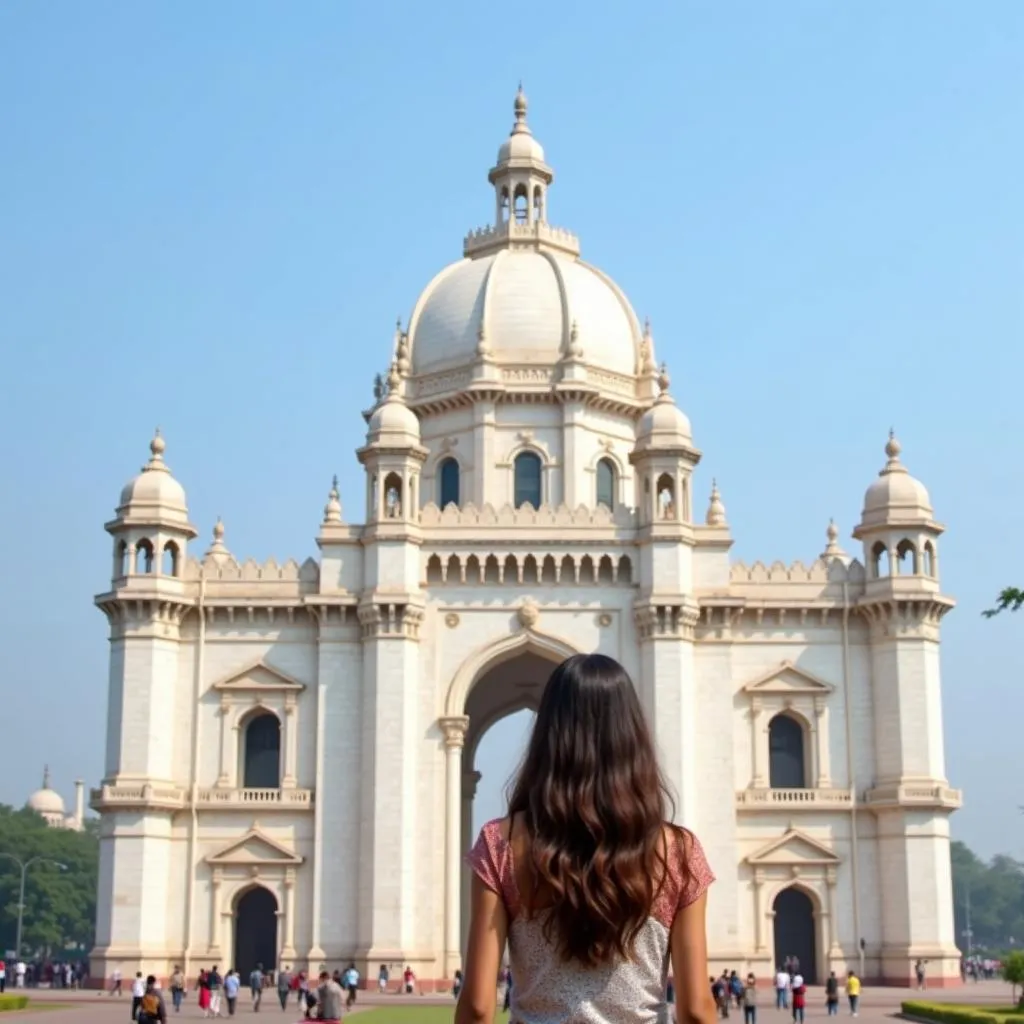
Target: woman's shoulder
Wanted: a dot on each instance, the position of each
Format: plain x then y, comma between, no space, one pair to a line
687,872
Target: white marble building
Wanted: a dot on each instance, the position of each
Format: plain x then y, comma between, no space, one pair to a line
290,751
49,805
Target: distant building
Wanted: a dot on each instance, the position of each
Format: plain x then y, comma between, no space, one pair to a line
49,804
291,747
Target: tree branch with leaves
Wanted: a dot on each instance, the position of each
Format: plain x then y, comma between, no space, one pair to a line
1010,600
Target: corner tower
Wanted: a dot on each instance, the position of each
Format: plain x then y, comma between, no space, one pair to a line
138,797
911,798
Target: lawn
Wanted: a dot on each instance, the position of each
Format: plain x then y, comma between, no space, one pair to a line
412,1015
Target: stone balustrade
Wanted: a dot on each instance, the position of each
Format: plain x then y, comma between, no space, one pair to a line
793,799
175,798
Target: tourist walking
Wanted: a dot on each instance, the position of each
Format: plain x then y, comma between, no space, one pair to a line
383,976
214,983
177,985
853,992
232,983
284,986
799,999
351,984
750,1000
115,982
782,980
586,878
919,974
832,995
329,996
256,982
152,1009
138,991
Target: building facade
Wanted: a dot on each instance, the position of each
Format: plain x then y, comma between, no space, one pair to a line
49,805
290,749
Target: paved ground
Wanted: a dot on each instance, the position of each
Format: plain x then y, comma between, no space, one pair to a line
877,1005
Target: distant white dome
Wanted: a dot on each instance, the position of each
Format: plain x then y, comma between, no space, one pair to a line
523,303
46,801
896,495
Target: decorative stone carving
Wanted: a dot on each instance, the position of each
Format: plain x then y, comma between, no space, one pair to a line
528,613
451,620
604,620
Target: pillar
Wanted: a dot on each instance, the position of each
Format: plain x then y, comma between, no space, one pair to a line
454,738
470,780
824,779
834,951
288,948
224,777
288,780
758,911
758,744
215,885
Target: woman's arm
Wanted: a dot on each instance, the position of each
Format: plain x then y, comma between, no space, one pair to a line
488,929
694,1002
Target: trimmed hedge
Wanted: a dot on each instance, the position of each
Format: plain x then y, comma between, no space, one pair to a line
961,1013
12,1002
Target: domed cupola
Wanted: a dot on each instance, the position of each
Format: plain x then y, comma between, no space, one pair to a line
896,496
521,300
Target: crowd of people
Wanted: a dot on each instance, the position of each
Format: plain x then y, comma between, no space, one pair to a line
70,974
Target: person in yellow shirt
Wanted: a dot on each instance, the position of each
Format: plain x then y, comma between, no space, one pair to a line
853,992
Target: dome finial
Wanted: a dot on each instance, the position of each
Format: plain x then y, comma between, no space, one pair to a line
46,767
332,510
394,379
157,446
832,548
218,550
519,107
893,447
664,380
716,509
218,530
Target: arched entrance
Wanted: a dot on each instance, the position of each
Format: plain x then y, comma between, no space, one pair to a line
255,930
796,931
498,680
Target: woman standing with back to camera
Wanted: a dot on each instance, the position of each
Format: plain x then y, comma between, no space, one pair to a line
594,890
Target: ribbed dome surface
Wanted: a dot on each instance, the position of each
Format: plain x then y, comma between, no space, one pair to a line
526,301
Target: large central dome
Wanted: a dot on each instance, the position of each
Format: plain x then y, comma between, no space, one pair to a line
521,294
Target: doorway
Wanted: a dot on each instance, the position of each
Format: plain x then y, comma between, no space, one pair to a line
796,931
255,931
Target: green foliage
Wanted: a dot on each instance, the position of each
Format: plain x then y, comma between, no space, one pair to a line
1010,600
11,1002
1013,971
60,906
996,894
960,1013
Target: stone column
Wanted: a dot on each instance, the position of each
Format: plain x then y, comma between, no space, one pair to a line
215,883
758,911
834,951
288,949
291,745
824,780
470,780
757,739
454,738
224,778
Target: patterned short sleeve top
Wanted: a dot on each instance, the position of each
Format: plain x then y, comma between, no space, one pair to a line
547,989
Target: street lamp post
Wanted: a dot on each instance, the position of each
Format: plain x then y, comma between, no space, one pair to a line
25,865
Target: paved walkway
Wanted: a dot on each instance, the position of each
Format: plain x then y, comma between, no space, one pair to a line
91,1007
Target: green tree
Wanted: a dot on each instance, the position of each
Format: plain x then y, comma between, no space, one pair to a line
1011,599
1013,972
60,905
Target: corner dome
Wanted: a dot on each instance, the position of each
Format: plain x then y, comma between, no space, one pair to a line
664,425
896,495
154,491
393,422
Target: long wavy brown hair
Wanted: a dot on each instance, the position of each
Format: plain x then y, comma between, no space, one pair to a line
595,805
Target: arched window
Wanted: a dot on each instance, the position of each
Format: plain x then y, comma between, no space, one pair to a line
606,483
880,560
906,558
261,757
538,203
504,206
522,205
169,562
448,483
528,479
786,765
121,563
143,557
929,559
393,497
666,497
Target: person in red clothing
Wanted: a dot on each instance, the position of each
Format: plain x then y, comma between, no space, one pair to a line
799,1000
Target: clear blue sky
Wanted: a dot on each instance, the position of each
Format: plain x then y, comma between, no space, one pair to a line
213,213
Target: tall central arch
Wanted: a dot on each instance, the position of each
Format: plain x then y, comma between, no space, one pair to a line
497,680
